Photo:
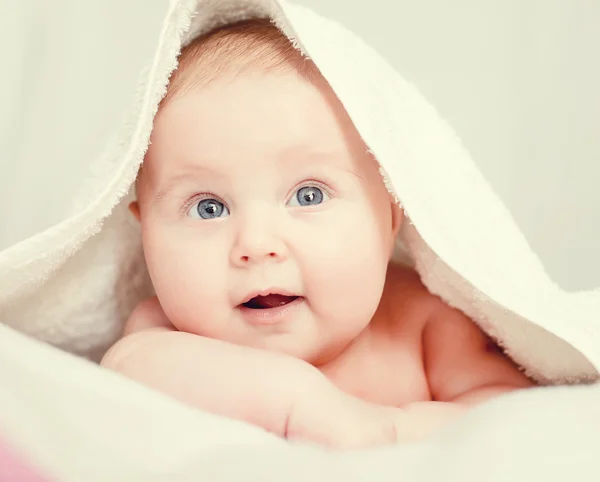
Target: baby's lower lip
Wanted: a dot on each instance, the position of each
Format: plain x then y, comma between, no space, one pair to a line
270,316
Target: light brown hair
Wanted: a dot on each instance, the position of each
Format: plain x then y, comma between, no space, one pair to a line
237,48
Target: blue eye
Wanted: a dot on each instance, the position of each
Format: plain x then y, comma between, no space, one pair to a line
308,196
208,209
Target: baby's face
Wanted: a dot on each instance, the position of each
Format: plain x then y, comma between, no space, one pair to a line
260,185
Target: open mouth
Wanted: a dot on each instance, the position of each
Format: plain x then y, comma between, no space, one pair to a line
269,301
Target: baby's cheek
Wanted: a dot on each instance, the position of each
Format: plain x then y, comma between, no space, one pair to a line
346,269
189,283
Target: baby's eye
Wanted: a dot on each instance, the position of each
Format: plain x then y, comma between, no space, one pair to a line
208,209
308,196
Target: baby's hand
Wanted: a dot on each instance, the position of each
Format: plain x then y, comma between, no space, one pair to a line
327,416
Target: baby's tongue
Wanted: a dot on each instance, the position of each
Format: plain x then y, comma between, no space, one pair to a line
271,301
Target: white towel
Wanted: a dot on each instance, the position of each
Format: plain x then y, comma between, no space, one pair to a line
73,283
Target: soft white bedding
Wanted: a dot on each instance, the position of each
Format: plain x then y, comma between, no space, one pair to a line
72,269
80,423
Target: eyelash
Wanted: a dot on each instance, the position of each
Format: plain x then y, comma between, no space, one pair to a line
310,182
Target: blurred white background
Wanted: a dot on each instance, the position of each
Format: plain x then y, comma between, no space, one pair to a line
517,79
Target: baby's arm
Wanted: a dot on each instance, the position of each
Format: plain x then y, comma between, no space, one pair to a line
463,368
239,382
462,364
279,393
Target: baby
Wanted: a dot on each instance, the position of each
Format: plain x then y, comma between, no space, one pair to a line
268,233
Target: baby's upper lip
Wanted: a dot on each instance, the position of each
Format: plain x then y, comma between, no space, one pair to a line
268,291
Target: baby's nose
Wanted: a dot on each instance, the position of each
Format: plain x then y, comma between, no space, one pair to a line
258,245
247,257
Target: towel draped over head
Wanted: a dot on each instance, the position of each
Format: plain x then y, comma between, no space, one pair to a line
74,283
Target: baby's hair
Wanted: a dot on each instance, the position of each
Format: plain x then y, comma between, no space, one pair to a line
255,44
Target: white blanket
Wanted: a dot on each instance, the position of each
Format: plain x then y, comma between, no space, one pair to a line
73,270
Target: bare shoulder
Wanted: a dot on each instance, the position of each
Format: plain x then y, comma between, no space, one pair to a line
145,320
449,324
147,315
409,297
461,360
405,288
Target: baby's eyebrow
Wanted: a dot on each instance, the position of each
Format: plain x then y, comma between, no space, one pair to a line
182,177
320,158
167,189
352,172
